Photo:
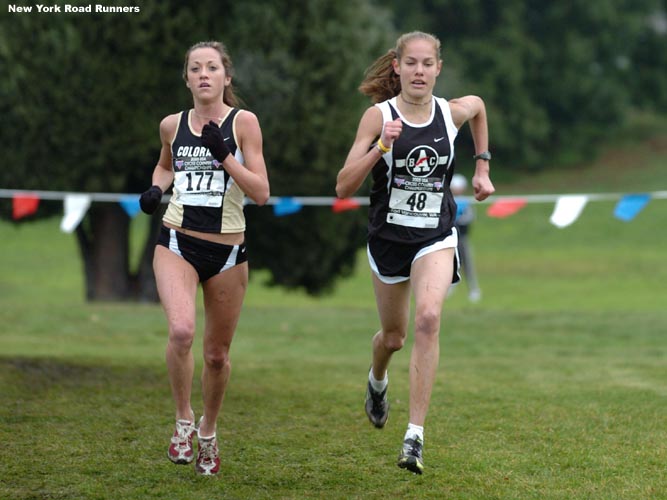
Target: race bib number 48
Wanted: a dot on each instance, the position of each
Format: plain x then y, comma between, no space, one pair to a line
415,202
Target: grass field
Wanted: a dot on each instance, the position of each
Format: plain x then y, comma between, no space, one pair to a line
554,386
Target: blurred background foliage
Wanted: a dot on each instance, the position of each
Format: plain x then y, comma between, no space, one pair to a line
82,95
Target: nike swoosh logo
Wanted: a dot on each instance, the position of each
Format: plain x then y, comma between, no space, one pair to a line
438,139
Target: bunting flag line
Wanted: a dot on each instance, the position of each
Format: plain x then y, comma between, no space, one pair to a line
24,205
76,206
630,205
568,209
505,208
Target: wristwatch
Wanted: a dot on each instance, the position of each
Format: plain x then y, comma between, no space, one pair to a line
482,156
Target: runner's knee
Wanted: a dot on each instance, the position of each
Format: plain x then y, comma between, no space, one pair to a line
217,359
427,322
393,340
181,335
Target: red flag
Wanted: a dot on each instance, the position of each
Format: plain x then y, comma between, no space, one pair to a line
505,208
24,205
343,204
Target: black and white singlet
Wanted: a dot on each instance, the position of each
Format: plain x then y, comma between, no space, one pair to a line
205,197
410,200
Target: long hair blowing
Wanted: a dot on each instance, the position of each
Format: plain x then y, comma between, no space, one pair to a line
380,80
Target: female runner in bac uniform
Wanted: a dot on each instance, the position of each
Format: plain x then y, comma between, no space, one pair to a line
406,140
212,155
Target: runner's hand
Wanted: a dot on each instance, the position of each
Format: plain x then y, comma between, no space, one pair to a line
151,199
211,138
392,130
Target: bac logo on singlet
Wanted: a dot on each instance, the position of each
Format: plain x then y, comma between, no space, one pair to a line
422,161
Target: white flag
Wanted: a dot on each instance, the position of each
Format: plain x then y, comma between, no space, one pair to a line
567,210
76,206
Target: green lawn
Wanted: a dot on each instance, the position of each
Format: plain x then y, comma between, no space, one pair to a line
554,386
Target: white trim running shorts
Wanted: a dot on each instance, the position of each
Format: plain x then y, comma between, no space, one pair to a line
391,261
208,258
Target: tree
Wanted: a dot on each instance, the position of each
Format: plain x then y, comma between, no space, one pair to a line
646,63
554,75
82,101
304,81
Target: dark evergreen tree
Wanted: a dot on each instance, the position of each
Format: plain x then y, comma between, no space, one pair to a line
302,79
82,96
555,75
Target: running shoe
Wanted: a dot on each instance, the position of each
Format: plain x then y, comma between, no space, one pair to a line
377,406
208,461
180,449
411,455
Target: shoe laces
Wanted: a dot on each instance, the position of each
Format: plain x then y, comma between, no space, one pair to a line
413,447
378,399
208,450
184,430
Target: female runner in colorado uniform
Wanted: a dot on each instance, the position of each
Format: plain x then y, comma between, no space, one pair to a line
212,154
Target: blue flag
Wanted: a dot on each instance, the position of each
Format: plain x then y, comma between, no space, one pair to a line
286,206
630,205
131,205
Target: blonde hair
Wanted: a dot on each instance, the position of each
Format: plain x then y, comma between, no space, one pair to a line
228,97
380,80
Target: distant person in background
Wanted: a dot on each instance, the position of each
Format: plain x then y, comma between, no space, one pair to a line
465,215
406,142
212,155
